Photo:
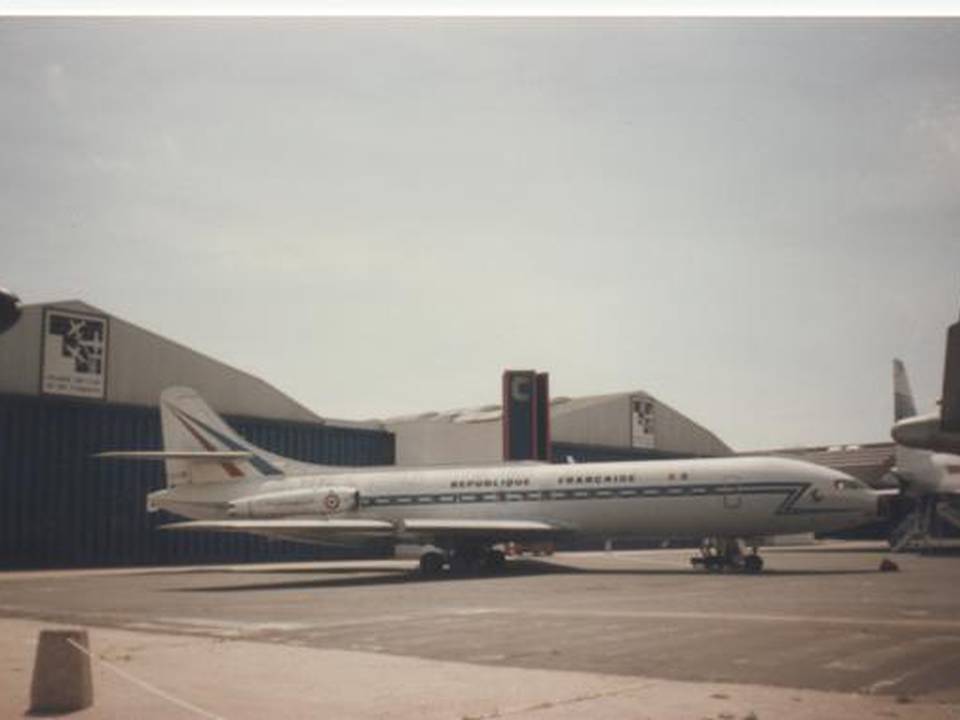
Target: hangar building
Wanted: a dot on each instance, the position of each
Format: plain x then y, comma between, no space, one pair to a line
618,426
75,381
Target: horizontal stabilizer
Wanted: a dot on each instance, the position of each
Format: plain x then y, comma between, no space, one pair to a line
189,455
319,525
317,529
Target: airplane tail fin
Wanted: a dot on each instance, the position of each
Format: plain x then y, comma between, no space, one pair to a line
199,447
903,405
950,399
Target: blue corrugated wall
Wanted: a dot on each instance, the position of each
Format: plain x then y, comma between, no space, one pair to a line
60,507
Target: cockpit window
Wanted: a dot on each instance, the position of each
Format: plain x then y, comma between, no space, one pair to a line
847,484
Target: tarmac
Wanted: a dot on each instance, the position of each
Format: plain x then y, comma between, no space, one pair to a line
821,633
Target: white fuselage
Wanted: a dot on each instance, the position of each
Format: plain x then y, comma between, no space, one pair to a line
735,497
928,473
925,432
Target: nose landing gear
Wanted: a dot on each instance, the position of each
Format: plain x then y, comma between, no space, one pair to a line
431,564
752,563
726,555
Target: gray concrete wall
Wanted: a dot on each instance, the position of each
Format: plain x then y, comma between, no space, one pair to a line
601,420
446,443
675,432
607,420
593,421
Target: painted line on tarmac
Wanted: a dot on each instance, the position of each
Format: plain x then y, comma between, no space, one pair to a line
809,647
225,628
238,627
875,657
153,689
885,684
378,565
680,562
565,702
737,617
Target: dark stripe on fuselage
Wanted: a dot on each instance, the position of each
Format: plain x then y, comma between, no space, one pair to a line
230,468
258,462
791,491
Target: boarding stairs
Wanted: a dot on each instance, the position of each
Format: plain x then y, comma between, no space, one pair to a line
914,531
949,512
908,533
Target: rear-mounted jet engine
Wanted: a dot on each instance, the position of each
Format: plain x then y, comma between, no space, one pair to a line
305,501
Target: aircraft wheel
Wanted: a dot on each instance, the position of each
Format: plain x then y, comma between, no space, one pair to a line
431,564
752,564
494,561
466,563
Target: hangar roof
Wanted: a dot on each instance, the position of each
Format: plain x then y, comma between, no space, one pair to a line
493,413
869,462
139,364
602,420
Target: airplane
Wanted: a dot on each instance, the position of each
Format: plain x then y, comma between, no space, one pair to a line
938,431
932,479
461,514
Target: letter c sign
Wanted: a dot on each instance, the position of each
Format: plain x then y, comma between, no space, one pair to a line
520,388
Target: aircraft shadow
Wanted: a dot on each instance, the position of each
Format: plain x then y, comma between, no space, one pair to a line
878,550
378,576
360,577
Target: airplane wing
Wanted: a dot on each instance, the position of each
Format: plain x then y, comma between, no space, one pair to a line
318,530
308,530
479,527
320,526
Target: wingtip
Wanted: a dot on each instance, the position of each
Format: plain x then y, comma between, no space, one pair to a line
182,525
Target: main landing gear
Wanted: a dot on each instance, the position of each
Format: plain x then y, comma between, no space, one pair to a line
726,555
463,562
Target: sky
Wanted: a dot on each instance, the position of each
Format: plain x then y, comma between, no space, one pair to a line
746,218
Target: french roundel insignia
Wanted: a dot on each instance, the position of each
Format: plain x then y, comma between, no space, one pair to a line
331,502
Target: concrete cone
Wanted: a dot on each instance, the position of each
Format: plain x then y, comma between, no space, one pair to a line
62,681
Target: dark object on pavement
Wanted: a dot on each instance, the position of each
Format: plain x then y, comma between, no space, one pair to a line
62,681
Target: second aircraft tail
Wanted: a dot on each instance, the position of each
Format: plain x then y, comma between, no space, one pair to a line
903,405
